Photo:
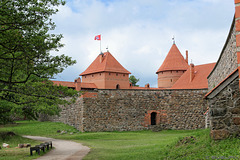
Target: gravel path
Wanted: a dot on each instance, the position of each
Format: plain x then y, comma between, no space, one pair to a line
63,150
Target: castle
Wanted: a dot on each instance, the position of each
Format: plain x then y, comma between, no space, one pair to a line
186,95
110,103
105,72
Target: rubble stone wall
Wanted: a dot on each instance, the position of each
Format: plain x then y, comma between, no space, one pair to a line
71,115
131,110
225,112
227,62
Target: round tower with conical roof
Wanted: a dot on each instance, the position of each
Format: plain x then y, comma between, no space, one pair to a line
172,68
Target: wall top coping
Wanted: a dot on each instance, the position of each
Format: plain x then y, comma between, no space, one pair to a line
152,89
222,84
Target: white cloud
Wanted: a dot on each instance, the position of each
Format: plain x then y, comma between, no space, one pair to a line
138,33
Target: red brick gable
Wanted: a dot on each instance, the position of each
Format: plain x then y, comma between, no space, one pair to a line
174,61
105,63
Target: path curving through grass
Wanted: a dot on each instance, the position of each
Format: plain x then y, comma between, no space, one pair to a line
63,149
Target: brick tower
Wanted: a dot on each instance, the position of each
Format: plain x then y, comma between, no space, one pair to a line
172,68
106,73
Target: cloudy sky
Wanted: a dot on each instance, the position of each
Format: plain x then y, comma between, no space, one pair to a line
139,33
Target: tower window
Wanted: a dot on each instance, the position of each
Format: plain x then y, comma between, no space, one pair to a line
116,74
171,80
109,73
117,86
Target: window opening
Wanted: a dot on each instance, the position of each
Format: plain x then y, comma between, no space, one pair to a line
117,86
153,118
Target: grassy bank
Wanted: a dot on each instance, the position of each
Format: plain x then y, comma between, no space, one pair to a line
168,144
25,128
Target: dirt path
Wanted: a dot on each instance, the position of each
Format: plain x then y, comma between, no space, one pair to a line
63,150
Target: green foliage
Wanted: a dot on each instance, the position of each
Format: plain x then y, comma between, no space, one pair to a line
26,63
133,80
6,109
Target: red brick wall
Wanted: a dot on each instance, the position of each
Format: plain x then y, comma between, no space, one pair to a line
237,25
167,79
107,80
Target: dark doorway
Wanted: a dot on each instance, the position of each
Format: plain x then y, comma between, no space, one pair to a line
153,118
117,86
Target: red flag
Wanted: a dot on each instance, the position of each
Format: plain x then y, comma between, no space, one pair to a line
98,37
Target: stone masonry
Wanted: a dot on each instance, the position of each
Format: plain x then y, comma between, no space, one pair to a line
224,98
70,114
227,62
225,112
131,110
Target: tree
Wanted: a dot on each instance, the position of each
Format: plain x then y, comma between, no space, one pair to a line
26,63
133,80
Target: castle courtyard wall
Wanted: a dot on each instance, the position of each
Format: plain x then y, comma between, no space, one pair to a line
227,61
70,114
225,112
131,110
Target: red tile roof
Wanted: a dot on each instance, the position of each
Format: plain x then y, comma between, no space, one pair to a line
174,61
108,64
200,78
64,83
88,85
72,84
150,88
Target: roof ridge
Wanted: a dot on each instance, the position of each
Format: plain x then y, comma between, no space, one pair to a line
108,64
105,59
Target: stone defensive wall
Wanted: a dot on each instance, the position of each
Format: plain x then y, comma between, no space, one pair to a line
132,110
227,61
224,98
225,111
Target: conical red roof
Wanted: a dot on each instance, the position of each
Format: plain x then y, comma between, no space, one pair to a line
108,64
174,61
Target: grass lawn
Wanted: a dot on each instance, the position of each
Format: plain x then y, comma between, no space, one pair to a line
169,144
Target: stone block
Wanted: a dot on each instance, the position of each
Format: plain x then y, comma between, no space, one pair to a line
219,134
235,111
236,120
218,112
217,124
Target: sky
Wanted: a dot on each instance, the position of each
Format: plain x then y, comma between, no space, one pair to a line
138,33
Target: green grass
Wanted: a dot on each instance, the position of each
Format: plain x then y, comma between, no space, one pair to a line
36,128
14,153
135,145
26,128
205,148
